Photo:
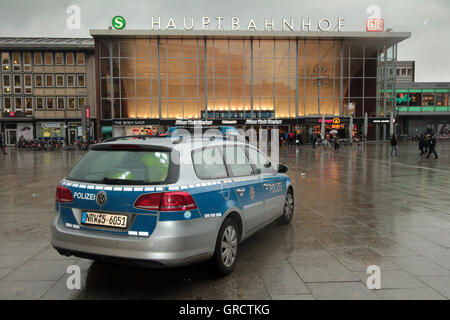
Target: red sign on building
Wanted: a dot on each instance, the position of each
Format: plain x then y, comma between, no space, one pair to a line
375,25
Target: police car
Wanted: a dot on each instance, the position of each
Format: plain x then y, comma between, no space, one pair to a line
168,202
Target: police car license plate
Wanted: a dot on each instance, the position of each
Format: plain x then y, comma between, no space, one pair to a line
104,219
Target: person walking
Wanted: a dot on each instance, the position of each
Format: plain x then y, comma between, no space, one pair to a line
2,144
286,137
291,138
422,144
314,140
394,145
432,146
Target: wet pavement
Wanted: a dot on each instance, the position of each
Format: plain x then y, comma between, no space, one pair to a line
355,207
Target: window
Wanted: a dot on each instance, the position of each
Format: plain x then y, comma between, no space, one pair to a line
38,58
237,161
6,84
27,61
5,61
49,80
28,84
59,58
260,161
18,103
81,101
17,83
60,103
80,80
16,61
7,104
145,167
71,103
48,58
428,99
39,103
398,72
38,80
415,98
403,72
208,163
441,99
70,80
50,103
59,80
70,60
80,58
409,72
29,106
402,99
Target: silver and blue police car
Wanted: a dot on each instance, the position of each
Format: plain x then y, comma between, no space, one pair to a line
168,202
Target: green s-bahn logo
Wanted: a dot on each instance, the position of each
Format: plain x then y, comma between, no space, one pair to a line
118,22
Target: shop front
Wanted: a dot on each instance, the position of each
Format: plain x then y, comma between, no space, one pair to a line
50,130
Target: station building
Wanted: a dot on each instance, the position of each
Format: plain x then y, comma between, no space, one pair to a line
151,79
44,84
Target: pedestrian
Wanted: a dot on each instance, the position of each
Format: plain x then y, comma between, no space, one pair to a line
291,138
286,137
2,144
394,145
314,140
432,146
422,144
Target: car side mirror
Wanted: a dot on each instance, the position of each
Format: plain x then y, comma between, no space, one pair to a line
282,168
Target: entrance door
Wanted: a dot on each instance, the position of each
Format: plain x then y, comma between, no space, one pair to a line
11,137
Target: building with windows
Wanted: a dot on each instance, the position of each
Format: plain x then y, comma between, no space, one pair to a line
44,84
420,105
157,78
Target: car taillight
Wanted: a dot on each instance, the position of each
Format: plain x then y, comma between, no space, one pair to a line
150,201
63,194
169,201
176,201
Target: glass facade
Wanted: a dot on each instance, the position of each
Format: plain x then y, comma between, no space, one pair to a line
226,78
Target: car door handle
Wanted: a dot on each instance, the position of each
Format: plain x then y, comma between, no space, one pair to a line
240,191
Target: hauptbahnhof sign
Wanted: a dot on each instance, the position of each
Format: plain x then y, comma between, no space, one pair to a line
266,24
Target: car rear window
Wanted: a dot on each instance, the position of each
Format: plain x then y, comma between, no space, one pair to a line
125,167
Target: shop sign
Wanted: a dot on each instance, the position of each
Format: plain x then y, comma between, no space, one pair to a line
263,122
50,124
12,114
336,120
129,122
193,122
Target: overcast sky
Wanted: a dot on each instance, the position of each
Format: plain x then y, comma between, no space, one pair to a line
426,19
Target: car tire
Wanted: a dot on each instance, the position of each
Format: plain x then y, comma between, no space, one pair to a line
227,247
288,208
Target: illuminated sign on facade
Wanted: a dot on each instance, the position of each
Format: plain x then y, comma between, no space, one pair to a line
375,25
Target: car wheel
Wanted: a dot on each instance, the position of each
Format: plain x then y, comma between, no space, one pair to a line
226,247
288,208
